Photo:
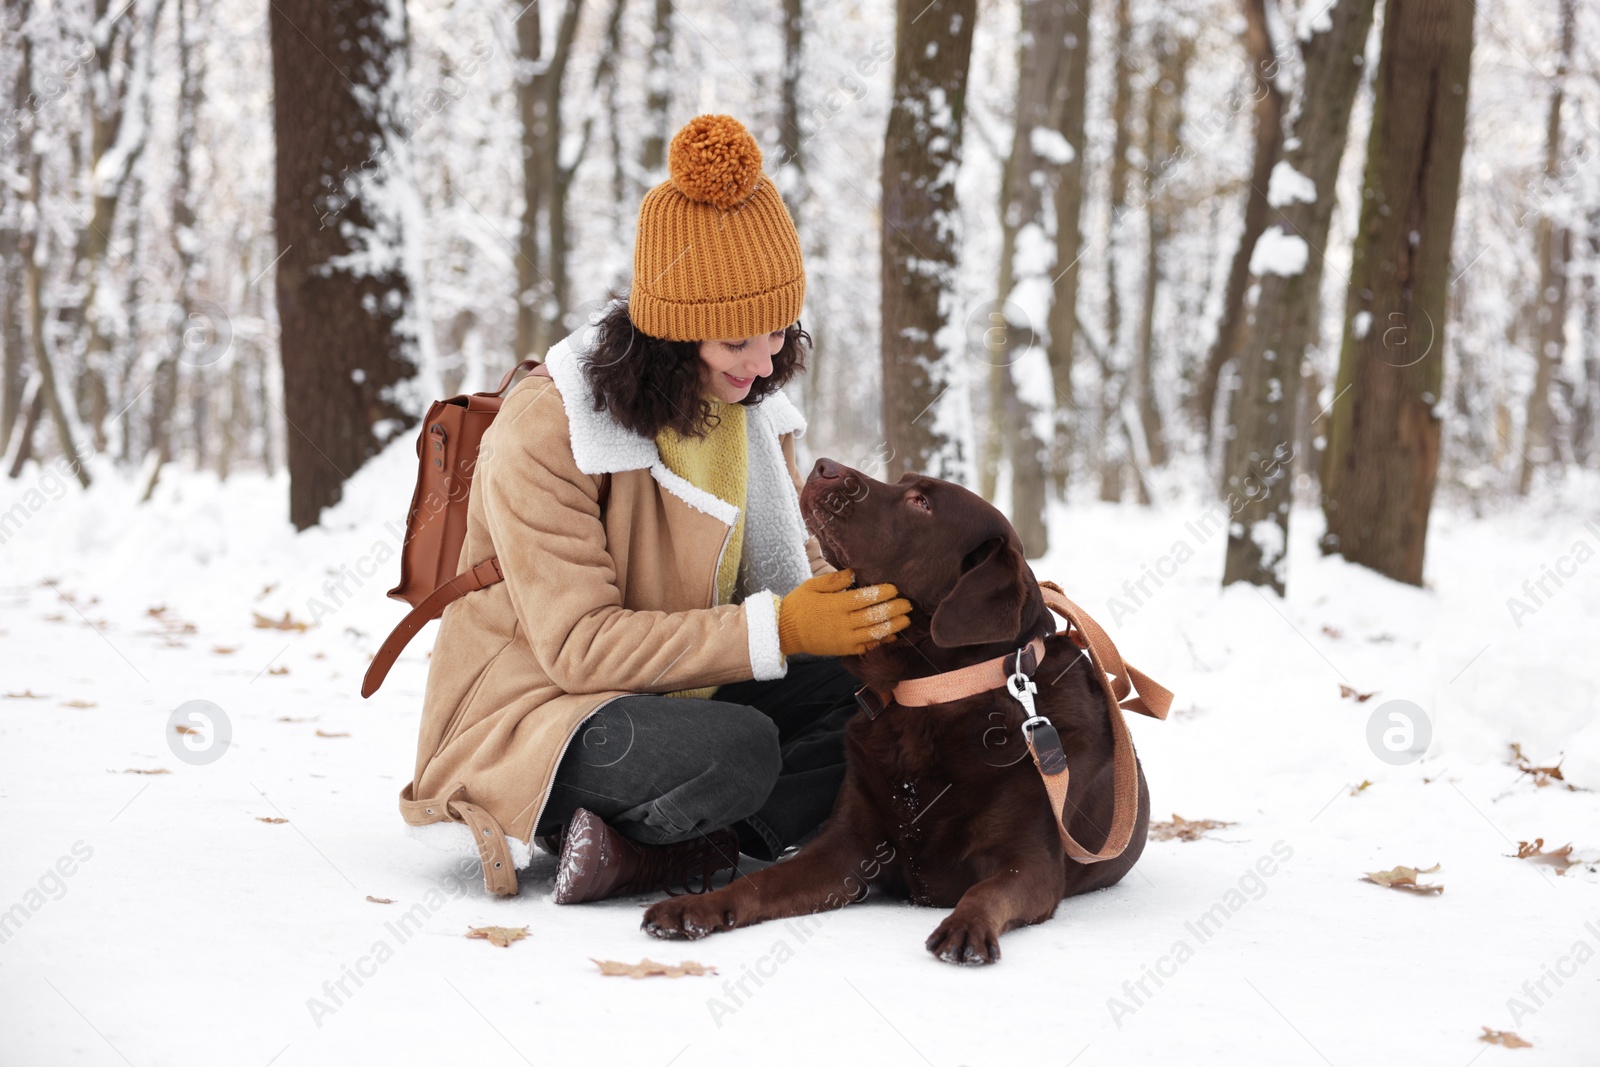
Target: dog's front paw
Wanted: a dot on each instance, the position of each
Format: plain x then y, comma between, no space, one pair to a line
965,939
689,918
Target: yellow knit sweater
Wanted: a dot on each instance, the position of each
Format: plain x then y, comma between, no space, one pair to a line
718,463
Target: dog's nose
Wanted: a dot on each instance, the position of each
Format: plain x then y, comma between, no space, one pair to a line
827,470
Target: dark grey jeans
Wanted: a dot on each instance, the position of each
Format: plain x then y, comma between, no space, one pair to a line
766,758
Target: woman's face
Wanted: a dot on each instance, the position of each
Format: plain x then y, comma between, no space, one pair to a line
732,367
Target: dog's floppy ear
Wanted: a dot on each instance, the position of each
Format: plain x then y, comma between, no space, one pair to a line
987,601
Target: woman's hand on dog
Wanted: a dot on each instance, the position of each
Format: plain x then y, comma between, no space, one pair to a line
824,617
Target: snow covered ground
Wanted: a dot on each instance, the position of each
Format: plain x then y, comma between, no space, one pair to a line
157,919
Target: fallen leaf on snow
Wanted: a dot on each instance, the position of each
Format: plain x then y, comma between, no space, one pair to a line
278,670
146,770
1360,698
646,968
78,704
1357,790
267,622
182,729
265,590
325,733
291,718
1533,852
1542,776
1184,829
26,694
379,900
1332,631
1403,878
1504,1038
498,935
224,650
270,818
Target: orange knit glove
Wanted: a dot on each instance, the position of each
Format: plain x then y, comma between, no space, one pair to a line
823,617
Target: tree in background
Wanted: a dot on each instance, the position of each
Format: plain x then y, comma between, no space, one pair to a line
1383,441
1259,467
1554,246
921,229
1268,146
1110,460
542,284
352,326
1049,113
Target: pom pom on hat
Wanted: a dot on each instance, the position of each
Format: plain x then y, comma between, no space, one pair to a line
715,161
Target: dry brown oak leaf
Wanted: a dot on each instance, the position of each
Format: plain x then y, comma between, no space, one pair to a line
1504,1038
647,968
1184,829
1403,878
498,935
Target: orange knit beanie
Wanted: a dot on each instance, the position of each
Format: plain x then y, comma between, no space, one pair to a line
717,256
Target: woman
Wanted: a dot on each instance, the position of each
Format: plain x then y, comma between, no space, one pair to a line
652,689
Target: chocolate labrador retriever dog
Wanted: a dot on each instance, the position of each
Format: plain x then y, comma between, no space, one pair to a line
942,804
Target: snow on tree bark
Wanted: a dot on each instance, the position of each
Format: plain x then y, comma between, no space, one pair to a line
1259,468
1383,441
921,233
355,334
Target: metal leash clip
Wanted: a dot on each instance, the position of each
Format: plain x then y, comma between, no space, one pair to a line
1037,731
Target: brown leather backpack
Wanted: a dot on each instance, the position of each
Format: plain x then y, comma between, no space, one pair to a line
436,523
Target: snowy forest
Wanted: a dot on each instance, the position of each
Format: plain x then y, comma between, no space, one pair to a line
1273,326
1127,250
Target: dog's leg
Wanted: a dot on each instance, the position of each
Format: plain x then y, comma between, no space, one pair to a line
1022,892
833,870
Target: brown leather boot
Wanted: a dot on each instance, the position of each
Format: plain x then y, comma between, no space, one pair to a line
598,862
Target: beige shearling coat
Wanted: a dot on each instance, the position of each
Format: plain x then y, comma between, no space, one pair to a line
610,563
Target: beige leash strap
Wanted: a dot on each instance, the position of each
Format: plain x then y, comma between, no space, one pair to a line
1126,688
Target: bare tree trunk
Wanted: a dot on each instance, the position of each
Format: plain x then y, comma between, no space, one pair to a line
658,97
1258,474
47,397
1039,153
185,244
621,197
530,108
236,419
1111,463
345,298
118,127
1555,253
792,168
1071,91
1163,120
1383,445
921,219
1586,404
1268,147
542,284
13,304
559,179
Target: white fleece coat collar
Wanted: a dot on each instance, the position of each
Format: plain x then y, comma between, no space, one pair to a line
774,554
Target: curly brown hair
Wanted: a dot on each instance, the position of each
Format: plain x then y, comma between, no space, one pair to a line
648,384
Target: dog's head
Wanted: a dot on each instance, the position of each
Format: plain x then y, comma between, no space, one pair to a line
947,550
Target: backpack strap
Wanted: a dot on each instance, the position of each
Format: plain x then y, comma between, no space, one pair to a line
468,581
471,580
